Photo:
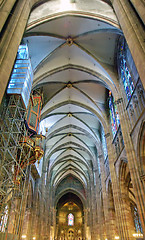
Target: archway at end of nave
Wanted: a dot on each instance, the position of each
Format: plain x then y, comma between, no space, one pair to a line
69,218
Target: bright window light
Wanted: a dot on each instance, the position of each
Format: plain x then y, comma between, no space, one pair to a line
23,236
66,5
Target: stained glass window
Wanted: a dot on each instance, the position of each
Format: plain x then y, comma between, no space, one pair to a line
136,219
99,165
70,219
125,73
104,145
114,116
4,219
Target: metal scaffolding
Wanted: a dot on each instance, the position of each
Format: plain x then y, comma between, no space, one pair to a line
12,155
20,145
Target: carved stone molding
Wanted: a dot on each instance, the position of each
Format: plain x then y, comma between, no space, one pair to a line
119,101
142,177
107,135
69,41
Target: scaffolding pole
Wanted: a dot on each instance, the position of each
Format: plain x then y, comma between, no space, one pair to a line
12,155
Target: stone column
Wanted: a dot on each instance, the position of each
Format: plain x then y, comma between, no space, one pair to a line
85,223
132,162
35,211
29,227
127,210
23,202
100,229
42,207
140,7
133,32
48,215
6,8
124,231
104,194
96,210
10,41
12,36
111,213
13,216
92,207
25,223
54,221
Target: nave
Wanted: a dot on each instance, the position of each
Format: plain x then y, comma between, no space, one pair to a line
72,120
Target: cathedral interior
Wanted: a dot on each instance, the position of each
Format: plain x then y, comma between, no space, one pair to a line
72,119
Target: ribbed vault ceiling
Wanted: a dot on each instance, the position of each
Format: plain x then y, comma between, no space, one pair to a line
72,57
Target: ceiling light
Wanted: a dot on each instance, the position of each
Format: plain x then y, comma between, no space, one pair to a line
67,5
138,235
23,236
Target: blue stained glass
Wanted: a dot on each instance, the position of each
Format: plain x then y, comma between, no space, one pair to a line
114,116
112,123
104,145
125,73
99,166
136,219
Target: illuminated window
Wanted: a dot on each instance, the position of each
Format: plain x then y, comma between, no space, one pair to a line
114,116
137,223
99,166
124,72
104,145
4,219
70,219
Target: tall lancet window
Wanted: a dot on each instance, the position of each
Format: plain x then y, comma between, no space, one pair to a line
137,223
114,116
4,219
70,219
104,145
125,73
